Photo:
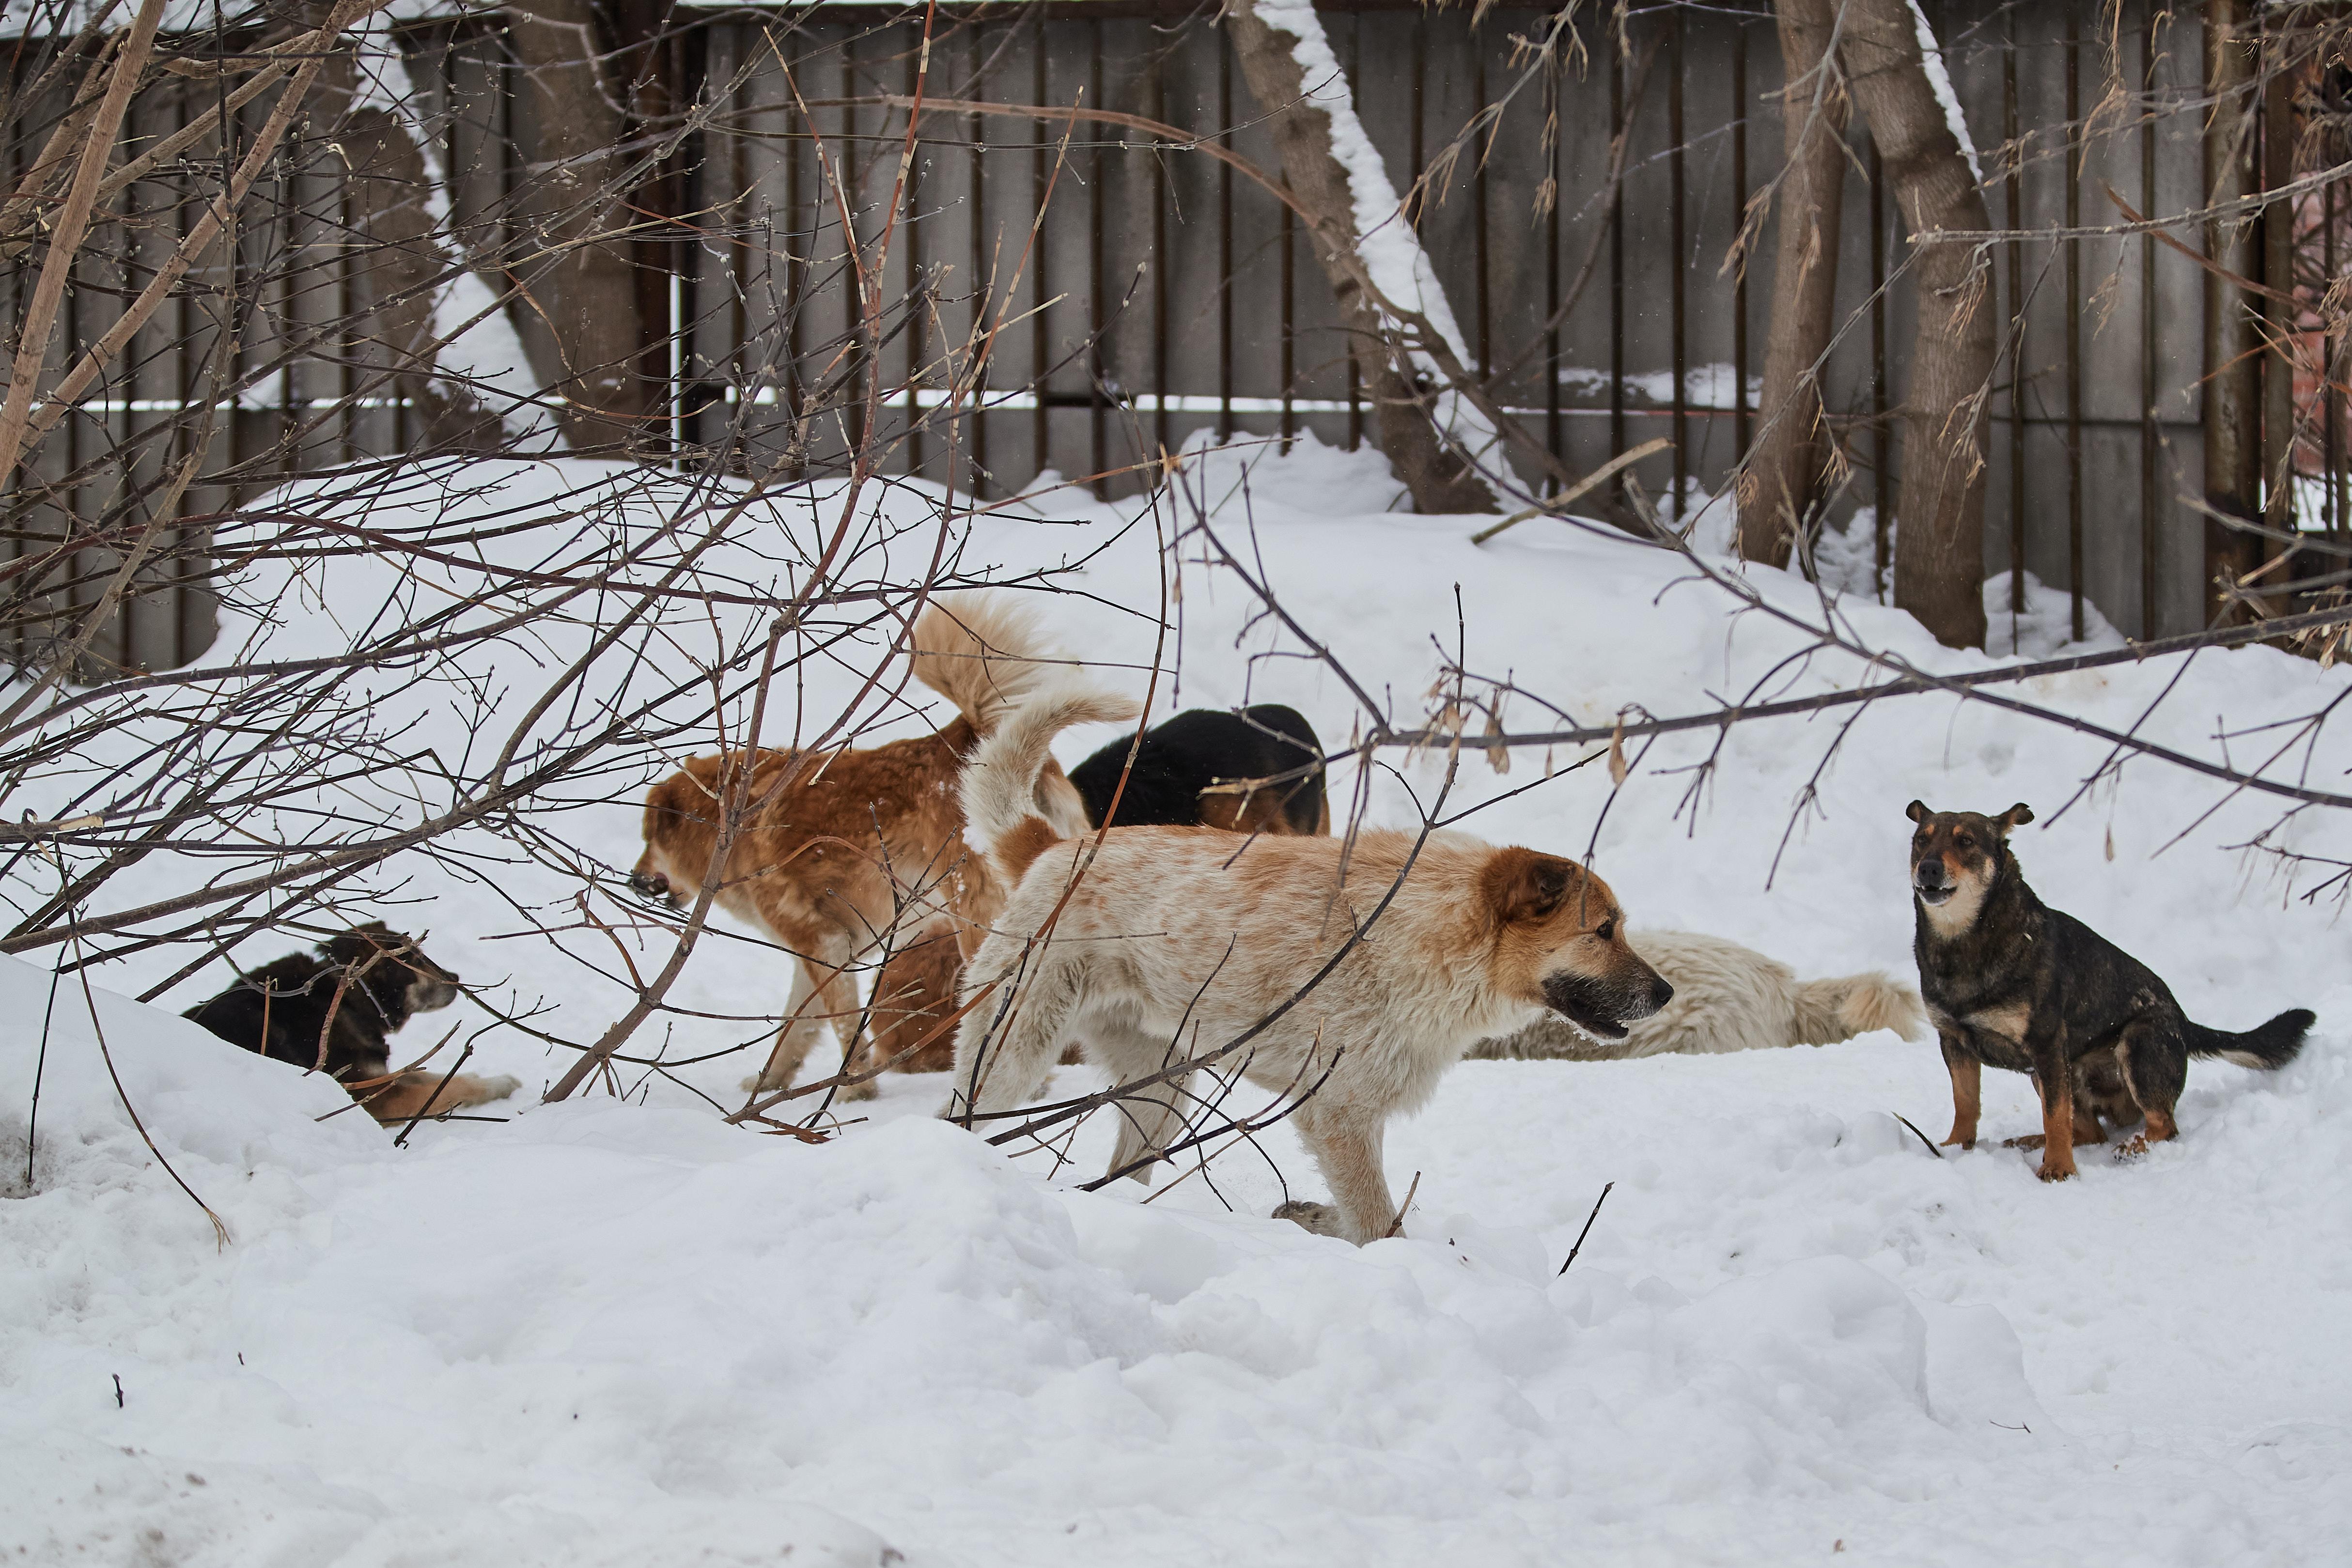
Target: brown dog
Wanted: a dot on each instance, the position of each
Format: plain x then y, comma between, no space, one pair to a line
1180,941
848,854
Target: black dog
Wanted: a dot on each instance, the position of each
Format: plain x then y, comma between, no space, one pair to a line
2015,984
1256,771
333,1010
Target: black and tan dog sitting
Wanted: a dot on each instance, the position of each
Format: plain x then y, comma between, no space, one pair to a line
2012,983
1256,771
332,1010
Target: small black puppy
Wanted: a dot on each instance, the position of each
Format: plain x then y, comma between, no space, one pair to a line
333,1010
2015,984
1207,768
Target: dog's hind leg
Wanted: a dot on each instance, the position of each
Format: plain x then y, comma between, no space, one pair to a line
1150,1118
1005,1047
1967,1094
2155,1062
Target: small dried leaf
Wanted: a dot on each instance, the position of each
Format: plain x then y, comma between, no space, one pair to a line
2111,840
1499,757
1617,769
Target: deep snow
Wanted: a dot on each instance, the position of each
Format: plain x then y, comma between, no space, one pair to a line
623,1333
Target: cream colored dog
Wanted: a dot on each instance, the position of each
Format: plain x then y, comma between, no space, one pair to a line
1729,998
1170,942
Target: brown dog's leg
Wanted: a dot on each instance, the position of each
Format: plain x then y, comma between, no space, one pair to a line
2056,1080
837,1003
1967,1097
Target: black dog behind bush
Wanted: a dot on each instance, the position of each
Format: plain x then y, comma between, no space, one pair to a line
333,1008
1205,768
2015,984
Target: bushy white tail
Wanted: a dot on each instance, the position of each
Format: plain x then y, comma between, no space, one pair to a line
1828,1011
999,786
985,651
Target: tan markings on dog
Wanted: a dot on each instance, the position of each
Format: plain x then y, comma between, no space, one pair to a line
2058,1130
2161,1128
1958,913
413,1093
1967,1096
2009,1022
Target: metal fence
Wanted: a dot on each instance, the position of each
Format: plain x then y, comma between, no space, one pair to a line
1167,296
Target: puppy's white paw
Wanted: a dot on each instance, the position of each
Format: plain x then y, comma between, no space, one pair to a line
1319,1218
499,1087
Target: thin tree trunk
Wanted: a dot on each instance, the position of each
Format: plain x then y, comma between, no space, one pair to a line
2233,464
402,267
1939,547
590,305
1783,481
1437,477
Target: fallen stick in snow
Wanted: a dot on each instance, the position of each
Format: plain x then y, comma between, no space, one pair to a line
1606,1189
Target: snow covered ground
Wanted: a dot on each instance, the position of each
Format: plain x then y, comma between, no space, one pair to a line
620,1331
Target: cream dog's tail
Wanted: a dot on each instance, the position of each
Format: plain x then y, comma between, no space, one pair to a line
999,786
1827,1011
985,651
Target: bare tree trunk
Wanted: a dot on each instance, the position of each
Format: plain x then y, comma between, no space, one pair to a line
402,266
1437,477
1783,479
1939,547
592,306
2233,462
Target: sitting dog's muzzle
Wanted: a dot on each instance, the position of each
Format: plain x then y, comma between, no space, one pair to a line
651,885
1930,882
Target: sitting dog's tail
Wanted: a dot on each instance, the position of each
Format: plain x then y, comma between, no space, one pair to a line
2270,1047
999,788
1827,1011
984,651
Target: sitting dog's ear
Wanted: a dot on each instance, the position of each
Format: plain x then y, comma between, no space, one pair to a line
2017,816
1524,885
1917,810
